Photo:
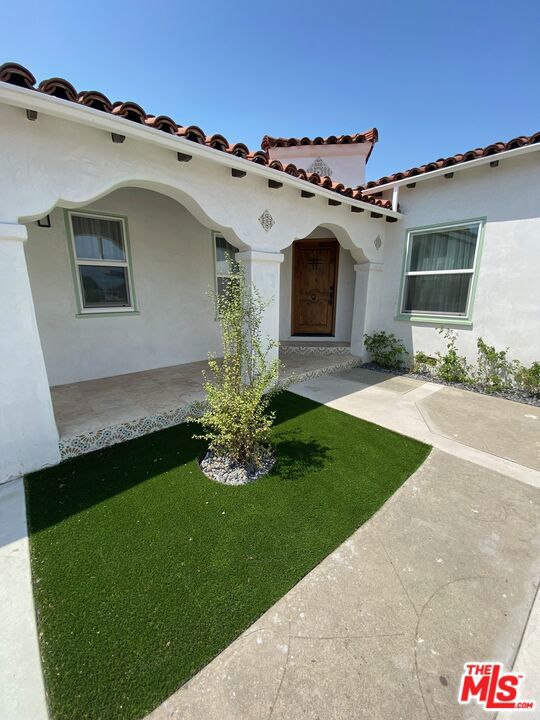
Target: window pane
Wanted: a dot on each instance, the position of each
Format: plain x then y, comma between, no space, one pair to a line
104,286
444,249
224,252
437,293
98,239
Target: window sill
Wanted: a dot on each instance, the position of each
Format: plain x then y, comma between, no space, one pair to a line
441,320
108,313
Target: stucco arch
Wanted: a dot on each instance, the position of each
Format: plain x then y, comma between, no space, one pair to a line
176,194
341,234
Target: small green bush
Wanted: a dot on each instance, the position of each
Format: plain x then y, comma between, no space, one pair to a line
424,363
385,349
235,417
451,366
494,371
528,378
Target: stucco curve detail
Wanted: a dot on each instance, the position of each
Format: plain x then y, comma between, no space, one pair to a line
176,194
358,247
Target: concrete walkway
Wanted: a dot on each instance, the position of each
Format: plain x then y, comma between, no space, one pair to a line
446,572
494,433
22,694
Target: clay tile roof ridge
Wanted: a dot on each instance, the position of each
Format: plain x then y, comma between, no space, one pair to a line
371,135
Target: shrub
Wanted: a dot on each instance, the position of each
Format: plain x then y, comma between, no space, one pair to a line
235,417
451,366
385,349
528,378
424,363
494,371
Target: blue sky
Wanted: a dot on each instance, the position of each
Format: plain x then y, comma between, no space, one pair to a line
434,77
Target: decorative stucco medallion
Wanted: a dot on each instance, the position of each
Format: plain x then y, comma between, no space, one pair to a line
266,220
378,242
320,167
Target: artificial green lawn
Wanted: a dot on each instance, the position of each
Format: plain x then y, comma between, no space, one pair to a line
144,569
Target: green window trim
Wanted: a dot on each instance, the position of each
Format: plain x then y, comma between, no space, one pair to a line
442,319
112,311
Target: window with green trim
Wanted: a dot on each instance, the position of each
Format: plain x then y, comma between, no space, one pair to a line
224,254
101,263
439,270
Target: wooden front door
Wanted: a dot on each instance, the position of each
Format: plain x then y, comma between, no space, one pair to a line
315,265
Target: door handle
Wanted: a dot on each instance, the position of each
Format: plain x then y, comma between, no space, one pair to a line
331,295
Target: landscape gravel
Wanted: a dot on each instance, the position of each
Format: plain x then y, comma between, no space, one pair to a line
512,394
228,472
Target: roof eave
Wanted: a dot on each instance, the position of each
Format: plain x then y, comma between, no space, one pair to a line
72,112
458,167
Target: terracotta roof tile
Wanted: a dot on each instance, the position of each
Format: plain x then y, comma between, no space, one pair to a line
16,74
487,151
59,88
218,142
193,133
129,111
96,100
371,135
239,149
162,122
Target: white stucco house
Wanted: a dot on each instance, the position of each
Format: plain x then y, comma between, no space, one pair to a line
115,222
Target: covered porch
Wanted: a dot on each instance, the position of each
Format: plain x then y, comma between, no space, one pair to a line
93,414
106,275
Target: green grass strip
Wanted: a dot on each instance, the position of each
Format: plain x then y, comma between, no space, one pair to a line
144,570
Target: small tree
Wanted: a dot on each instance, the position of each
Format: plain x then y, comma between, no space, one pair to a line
235,418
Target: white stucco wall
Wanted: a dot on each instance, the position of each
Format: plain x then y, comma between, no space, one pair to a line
347,162
344,295
507,304
173,266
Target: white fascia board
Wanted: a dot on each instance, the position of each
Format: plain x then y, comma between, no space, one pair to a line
458,167
74,112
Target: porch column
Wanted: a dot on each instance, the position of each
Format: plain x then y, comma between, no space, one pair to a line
262,271
366,303
28,434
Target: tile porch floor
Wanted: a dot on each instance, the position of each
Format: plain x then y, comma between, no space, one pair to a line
89,406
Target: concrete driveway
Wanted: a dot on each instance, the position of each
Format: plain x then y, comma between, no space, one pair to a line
446,572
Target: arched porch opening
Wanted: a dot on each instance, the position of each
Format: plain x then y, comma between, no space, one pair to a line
127,303
122,295
317,287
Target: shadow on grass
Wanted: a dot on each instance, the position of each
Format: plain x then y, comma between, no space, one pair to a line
295,458
57,493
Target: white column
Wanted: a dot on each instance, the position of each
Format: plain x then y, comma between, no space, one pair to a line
366,304
262,271
28,434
